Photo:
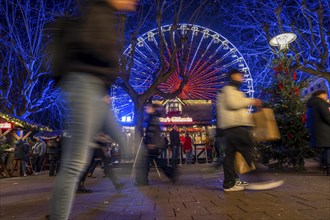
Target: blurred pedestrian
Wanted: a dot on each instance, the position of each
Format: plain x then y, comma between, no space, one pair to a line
318,122
151,149
234,118
90,51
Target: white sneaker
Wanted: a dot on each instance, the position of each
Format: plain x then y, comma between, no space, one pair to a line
234,189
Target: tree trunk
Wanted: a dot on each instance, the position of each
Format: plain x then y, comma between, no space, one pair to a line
138,110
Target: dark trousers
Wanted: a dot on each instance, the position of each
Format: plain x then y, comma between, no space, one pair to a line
108,172
163,153
37,161
94,165
54,160
54,167
236,139
98,152
219,150
143,167
175,155
325,157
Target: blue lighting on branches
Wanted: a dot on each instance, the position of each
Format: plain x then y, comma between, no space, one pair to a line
207,57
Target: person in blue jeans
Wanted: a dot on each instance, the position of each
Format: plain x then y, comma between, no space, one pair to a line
89,51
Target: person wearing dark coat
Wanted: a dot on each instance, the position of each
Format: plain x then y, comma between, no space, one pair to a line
175,145
21,153
152,148
318,123
54,153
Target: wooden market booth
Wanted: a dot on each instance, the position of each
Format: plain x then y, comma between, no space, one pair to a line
13,128
195,117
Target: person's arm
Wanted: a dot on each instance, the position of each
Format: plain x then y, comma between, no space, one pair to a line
234,100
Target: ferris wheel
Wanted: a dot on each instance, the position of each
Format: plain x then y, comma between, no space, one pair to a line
204,57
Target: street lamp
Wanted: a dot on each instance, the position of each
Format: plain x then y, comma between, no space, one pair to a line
283,40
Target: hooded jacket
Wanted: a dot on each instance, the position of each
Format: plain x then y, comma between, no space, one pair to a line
318,122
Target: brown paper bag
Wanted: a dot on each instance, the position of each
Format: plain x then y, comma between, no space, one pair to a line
240,164
265,126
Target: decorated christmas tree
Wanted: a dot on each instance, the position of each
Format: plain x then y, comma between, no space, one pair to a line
285,97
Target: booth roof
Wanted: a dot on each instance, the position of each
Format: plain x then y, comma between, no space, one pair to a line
24,123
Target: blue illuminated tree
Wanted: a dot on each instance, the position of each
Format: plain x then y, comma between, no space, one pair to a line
256,22
165,70
26,88
173,59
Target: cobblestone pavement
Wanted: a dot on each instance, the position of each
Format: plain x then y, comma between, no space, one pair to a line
198,195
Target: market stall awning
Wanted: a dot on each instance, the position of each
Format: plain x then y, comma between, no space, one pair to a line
20,123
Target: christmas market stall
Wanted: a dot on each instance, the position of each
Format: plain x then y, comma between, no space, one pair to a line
13,129
195,117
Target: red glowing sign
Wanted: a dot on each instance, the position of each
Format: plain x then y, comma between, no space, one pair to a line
6,125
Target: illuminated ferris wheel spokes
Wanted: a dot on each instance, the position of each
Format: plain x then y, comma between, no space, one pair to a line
203,56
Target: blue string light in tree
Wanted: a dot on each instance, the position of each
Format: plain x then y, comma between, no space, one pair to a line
204,56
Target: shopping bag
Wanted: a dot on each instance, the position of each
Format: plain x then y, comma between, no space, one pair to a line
265,126
240,164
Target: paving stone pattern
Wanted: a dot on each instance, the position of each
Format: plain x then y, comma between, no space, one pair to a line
198,195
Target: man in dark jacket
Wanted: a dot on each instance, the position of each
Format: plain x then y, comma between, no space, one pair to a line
90,66
318,122
152,148
175,145
54,152
21,153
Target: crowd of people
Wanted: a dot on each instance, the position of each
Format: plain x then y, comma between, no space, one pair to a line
232,135
85,65
33,155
